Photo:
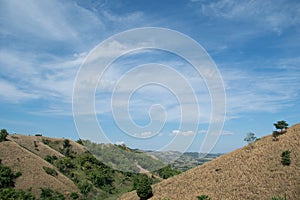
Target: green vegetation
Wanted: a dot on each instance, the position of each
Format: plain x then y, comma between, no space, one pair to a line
11,193
3,135
279,197
143,187
79,141
166,172
92,177
46,141
7,177
250,138
275,135
74,195
285,158
49,194
7,183
282,125
51,159
203,197
123,158
50,171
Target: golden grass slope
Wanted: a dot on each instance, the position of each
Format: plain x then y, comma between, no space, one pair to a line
252,172
25,158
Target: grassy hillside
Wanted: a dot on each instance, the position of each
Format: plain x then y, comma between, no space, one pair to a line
123,158
252,172
61,165
33,177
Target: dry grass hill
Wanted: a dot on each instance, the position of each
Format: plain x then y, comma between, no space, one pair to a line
26,154
252,172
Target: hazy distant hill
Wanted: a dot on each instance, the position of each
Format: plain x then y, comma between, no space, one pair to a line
252,172
183,161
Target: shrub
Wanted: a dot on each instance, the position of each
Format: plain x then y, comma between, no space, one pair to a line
84,187
3,135
18,174
279,197
38,134
250,138
74,195
275,135
143,187
66,144
49,194
11,193
203,197
167,172
285,158
50,159
6,177
46,141
79,141
65,164
50,171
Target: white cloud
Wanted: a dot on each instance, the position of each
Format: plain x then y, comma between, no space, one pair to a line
265,14
10,92
224,132
183,133
51,20
35,77
272,91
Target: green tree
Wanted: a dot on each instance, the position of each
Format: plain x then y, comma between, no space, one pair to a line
3,135
285,158
250,138
167,172
282,125
143,187
79,141
66,144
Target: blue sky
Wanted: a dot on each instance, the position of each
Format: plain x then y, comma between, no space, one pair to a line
254,44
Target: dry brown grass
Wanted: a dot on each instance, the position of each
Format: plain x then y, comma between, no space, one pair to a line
252,172
20,155
36,145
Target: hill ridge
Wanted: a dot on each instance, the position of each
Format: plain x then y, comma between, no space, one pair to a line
251,172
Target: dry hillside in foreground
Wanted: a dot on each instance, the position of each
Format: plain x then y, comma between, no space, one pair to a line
26,154
252,172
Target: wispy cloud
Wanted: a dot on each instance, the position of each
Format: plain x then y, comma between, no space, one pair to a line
49,20
183,133
50,80
11,92
265,14
274,90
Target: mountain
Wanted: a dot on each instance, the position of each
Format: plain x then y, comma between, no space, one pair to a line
255,171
